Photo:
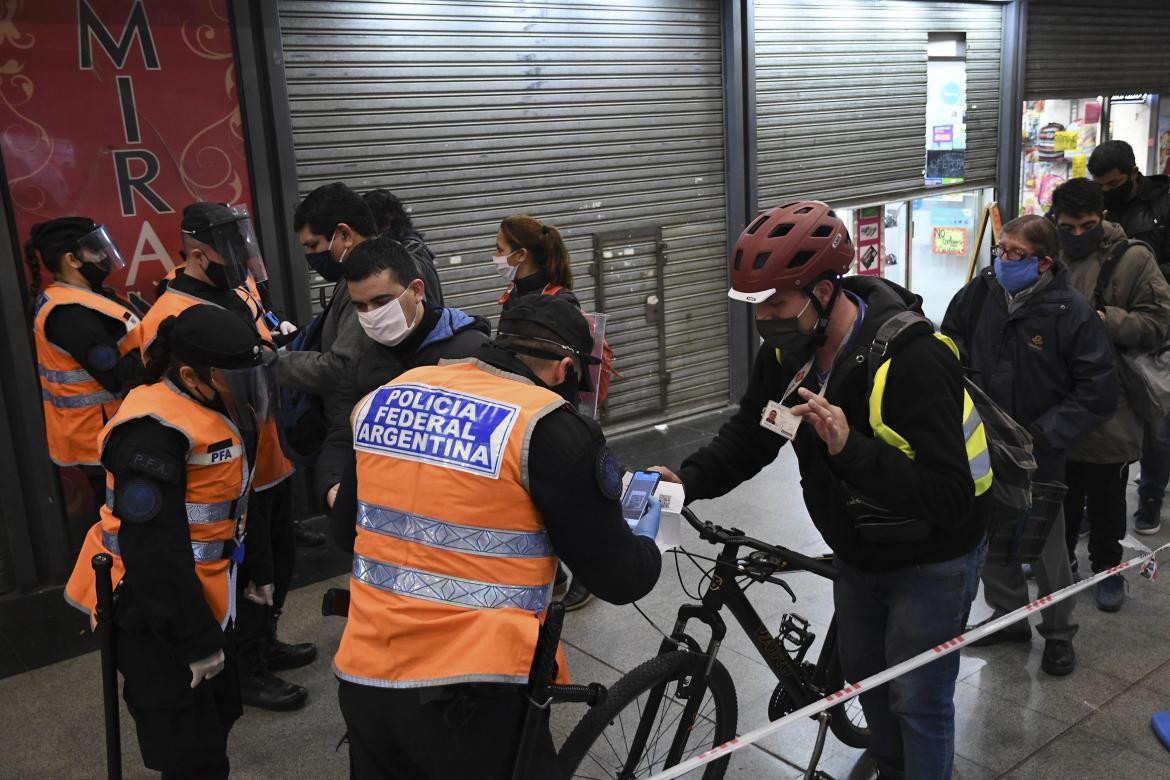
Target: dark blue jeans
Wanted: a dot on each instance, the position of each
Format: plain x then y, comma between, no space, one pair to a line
884,618
1155,461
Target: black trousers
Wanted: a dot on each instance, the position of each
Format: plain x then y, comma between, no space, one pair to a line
269,556
454,732
1100,487
182,731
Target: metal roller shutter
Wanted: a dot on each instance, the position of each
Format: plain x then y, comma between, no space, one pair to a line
841,96
596,117
1077,49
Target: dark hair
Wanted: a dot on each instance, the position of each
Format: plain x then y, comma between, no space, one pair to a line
160,359
389,214
1039,232
1077,196
380,254
1112,155
544,243
48,243
328,206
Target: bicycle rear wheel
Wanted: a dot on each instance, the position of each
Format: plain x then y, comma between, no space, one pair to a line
847,719
601,744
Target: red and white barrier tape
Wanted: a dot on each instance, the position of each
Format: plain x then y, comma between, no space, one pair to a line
1149,568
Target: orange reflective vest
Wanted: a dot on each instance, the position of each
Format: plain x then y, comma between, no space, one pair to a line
452,566
76,405
217,496
272,467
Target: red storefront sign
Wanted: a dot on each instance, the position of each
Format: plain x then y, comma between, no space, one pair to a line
122,111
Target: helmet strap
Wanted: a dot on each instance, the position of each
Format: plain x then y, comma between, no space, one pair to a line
820,331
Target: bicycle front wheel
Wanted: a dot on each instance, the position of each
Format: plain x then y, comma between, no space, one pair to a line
630,734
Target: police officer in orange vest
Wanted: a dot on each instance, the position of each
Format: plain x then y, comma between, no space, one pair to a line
86,343
217,241
179,458
470,479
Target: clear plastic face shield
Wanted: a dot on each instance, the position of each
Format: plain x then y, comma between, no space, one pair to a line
250,395
589,399
98,248
229,241
256,266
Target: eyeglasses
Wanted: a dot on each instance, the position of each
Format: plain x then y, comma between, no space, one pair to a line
1009,254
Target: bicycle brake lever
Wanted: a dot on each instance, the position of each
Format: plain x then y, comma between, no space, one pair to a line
782,584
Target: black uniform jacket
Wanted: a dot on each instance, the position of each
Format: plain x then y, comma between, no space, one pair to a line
923,402
570,476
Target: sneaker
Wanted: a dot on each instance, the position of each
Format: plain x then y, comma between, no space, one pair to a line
1059,658
1029,572
1111,593
1148,517
1017,632
577,596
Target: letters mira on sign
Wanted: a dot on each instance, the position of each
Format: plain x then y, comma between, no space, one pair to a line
437,426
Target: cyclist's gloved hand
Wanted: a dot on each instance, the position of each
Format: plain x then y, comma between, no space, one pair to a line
648,525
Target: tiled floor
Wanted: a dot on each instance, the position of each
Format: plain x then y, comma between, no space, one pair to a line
1012,720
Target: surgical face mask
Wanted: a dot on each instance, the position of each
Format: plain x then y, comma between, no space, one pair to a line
785,335
323,263
1118,196
570,389
387,323
1015,275
1083,245
217,275
507,272
94,274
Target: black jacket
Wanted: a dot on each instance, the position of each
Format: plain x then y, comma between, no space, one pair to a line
533,285
923,402
443,334
1049,363
567,464
1147,217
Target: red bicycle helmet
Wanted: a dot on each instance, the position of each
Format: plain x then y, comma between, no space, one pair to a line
788,247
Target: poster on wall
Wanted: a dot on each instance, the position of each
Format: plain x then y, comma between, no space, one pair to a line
949,241
124,112
867,231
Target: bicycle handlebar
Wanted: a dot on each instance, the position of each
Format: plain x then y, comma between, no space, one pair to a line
794,561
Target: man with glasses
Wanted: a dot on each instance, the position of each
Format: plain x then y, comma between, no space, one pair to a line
1039,350
1135,308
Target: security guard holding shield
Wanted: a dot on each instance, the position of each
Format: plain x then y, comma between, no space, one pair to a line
470,479
179,458
220,247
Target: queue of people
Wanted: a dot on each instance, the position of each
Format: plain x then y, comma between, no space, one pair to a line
455,465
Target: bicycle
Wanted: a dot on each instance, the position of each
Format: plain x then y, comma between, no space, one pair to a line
632,731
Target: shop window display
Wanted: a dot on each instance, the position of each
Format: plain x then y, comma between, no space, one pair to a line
1133,119
1059,136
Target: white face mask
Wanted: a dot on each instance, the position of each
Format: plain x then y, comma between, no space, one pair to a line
508,272
387,323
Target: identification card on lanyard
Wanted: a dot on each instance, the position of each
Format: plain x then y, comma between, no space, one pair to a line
777,417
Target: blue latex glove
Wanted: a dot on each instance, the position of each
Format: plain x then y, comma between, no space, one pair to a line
648,524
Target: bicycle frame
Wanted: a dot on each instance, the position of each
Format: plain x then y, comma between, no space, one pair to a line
725,591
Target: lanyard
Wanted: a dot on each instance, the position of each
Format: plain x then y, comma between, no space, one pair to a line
800,376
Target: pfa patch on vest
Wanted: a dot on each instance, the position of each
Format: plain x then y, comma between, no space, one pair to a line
436,426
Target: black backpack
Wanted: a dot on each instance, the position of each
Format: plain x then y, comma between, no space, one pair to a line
1009,444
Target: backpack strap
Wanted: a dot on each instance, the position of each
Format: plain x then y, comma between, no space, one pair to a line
892,334
552,289
1109,265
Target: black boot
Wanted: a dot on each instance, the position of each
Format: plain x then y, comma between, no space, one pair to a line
265,690
279,655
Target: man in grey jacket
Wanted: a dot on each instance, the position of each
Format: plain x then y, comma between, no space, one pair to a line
1135,308
330,222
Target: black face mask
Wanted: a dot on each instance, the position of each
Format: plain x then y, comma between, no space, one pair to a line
1077,247
1118,196
786,336
217,275
94,275
324,264
570,389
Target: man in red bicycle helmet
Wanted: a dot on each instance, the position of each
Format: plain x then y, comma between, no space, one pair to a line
885,472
